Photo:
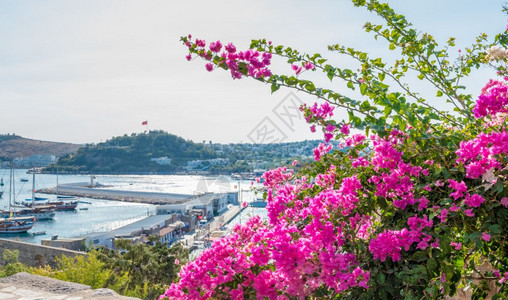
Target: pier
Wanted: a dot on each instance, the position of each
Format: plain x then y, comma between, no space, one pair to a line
83,189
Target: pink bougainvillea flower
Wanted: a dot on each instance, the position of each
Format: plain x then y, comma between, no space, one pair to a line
321,150
459,187
330,128
474,201
200,43
485,236
345,129
215,46
230,48
308,66
456,246
297,69
494,99
469,212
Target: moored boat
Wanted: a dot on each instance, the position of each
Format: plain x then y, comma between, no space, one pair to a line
16,224
40,212
62,197
64,205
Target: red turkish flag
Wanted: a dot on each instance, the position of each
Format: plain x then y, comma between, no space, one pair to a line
144,123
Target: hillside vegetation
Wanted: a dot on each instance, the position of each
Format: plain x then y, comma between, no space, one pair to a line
134,153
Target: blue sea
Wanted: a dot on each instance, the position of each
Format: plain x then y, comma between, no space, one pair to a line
103,215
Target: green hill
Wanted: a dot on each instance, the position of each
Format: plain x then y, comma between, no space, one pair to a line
133,154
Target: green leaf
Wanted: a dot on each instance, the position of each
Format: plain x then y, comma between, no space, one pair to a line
432,265
421,76
363,88
275,87
381,76
392,46
495,229
439,93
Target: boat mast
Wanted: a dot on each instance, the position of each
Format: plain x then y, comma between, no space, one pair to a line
13,191
56,183
33,187
10,189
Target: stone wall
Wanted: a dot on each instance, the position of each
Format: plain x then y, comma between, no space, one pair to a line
35,255
69,244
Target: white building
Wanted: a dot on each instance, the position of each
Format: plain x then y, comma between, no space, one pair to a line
162,161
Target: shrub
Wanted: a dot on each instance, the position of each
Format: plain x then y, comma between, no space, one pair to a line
412,204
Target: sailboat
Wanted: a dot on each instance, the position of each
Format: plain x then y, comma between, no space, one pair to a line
41,212
13,224
58,205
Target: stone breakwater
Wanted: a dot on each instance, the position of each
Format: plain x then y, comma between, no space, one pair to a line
27,286
82,189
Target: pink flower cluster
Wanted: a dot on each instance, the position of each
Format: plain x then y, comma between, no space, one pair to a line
493,100
321,150
254,61
479,154
320,111
394,180
391,242
276,177
460,188
280,259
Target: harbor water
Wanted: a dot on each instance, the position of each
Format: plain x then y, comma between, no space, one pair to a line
94,215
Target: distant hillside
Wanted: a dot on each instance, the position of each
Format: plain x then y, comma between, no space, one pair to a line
12,146
161,152
132,154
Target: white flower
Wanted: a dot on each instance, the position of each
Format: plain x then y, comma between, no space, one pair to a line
497,53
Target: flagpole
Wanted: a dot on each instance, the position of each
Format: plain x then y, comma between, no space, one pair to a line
145,123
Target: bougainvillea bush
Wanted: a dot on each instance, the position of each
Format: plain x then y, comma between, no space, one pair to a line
412,204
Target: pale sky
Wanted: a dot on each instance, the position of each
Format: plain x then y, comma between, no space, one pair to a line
85,71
